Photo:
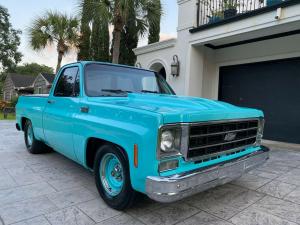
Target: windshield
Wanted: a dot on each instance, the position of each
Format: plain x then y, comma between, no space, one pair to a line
108,80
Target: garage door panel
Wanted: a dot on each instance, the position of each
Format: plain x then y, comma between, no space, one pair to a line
273,87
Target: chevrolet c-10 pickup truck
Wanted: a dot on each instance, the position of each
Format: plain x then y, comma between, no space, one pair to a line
127,126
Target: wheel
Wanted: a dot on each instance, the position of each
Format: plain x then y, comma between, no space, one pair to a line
33,146
112,177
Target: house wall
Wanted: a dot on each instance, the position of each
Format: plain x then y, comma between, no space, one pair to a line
40,82
8,90
202,64
281,48
162,53
199,65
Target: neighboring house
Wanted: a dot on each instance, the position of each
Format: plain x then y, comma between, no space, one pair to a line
15,84
248,55
43,82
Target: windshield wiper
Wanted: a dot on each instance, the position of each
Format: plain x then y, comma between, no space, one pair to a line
146,91
116,91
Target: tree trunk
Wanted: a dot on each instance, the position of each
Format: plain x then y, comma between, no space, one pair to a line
118,27
116,46
59,59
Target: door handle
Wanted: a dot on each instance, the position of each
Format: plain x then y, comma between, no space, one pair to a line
84,109
50,101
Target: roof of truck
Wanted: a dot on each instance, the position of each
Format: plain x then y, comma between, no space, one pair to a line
111,64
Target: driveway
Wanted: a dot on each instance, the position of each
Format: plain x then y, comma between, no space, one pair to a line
51,189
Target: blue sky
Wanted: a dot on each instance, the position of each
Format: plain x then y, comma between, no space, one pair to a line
23,12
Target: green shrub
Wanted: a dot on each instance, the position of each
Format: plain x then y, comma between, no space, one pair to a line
13,102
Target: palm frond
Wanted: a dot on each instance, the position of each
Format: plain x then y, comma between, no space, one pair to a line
53,27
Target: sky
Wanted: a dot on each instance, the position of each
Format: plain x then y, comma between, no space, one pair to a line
23,12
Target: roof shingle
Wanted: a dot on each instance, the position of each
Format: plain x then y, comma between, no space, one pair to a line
21,80
49,77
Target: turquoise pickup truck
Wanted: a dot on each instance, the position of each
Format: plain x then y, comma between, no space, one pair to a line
127,126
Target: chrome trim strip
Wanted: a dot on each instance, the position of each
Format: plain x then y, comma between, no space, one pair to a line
222,121
223,143
200,158
178,186
224,132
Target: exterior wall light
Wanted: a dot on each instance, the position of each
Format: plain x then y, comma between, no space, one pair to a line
175,66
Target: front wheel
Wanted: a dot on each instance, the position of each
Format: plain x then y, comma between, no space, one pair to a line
112,177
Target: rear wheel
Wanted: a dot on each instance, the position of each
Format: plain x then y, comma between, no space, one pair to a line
112,177
33,146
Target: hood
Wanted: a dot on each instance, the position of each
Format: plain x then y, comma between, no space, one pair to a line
183,109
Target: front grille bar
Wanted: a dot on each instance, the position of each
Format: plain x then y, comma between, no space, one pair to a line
223,143
224,132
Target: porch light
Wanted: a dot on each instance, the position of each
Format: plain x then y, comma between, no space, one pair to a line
175,66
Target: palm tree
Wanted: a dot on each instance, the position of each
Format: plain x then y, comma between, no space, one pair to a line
54,28
84,42
154,27
117,13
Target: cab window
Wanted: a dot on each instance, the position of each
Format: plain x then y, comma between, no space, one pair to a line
68,83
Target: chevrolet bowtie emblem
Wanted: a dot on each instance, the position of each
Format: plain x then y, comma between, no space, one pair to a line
230,137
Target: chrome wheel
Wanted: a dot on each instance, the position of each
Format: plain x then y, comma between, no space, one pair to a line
111,174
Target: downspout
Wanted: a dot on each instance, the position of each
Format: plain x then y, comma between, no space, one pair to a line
198,12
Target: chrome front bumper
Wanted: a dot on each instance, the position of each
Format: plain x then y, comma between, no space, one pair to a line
179,186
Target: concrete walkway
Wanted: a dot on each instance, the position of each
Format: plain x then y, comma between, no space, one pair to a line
50,189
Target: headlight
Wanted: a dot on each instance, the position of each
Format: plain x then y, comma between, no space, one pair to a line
169,141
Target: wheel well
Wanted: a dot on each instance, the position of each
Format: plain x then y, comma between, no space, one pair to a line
93,145
23,121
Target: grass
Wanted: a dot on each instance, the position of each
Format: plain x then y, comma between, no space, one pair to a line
10,116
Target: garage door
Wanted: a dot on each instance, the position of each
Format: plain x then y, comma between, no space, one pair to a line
273,87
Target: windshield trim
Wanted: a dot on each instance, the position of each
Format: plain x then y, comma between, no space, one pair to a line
158,76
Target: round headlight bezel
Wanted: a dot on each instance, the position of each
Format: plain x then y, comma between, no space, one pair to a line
171,133
167,141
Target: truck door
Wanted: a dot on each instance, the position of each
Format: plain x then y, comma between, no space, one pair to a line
60,110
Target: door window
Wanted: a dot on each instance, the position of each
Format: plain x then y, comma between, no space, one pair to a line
77,86
68,83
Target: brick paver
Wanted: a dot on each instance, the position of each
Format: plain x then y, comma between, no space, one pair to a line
51,189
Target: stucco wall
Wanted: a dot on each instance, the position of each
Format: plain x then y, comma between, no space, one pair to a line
199,65
281,48
164,55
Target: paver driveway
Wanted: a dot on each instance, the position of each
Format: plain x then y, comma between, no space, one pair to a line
50,189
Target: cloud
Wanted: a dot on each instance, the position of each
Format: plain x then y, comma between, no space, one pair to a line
165,36
47,56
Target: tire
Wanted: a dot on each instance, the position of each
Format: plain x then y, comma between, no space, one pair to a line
33,146
112,177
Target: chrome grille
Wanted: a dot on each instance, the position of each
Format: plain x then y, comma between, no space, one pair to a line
215,138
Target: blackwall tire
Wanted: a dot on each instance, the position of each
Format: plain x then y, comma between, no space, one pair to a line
114,186
33,146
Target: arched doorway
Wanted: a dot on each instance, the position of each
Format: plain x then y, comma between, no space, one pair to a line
160,69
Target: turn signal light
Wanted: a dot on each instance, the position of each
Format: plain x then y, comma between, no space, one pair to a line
168,165
135,156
